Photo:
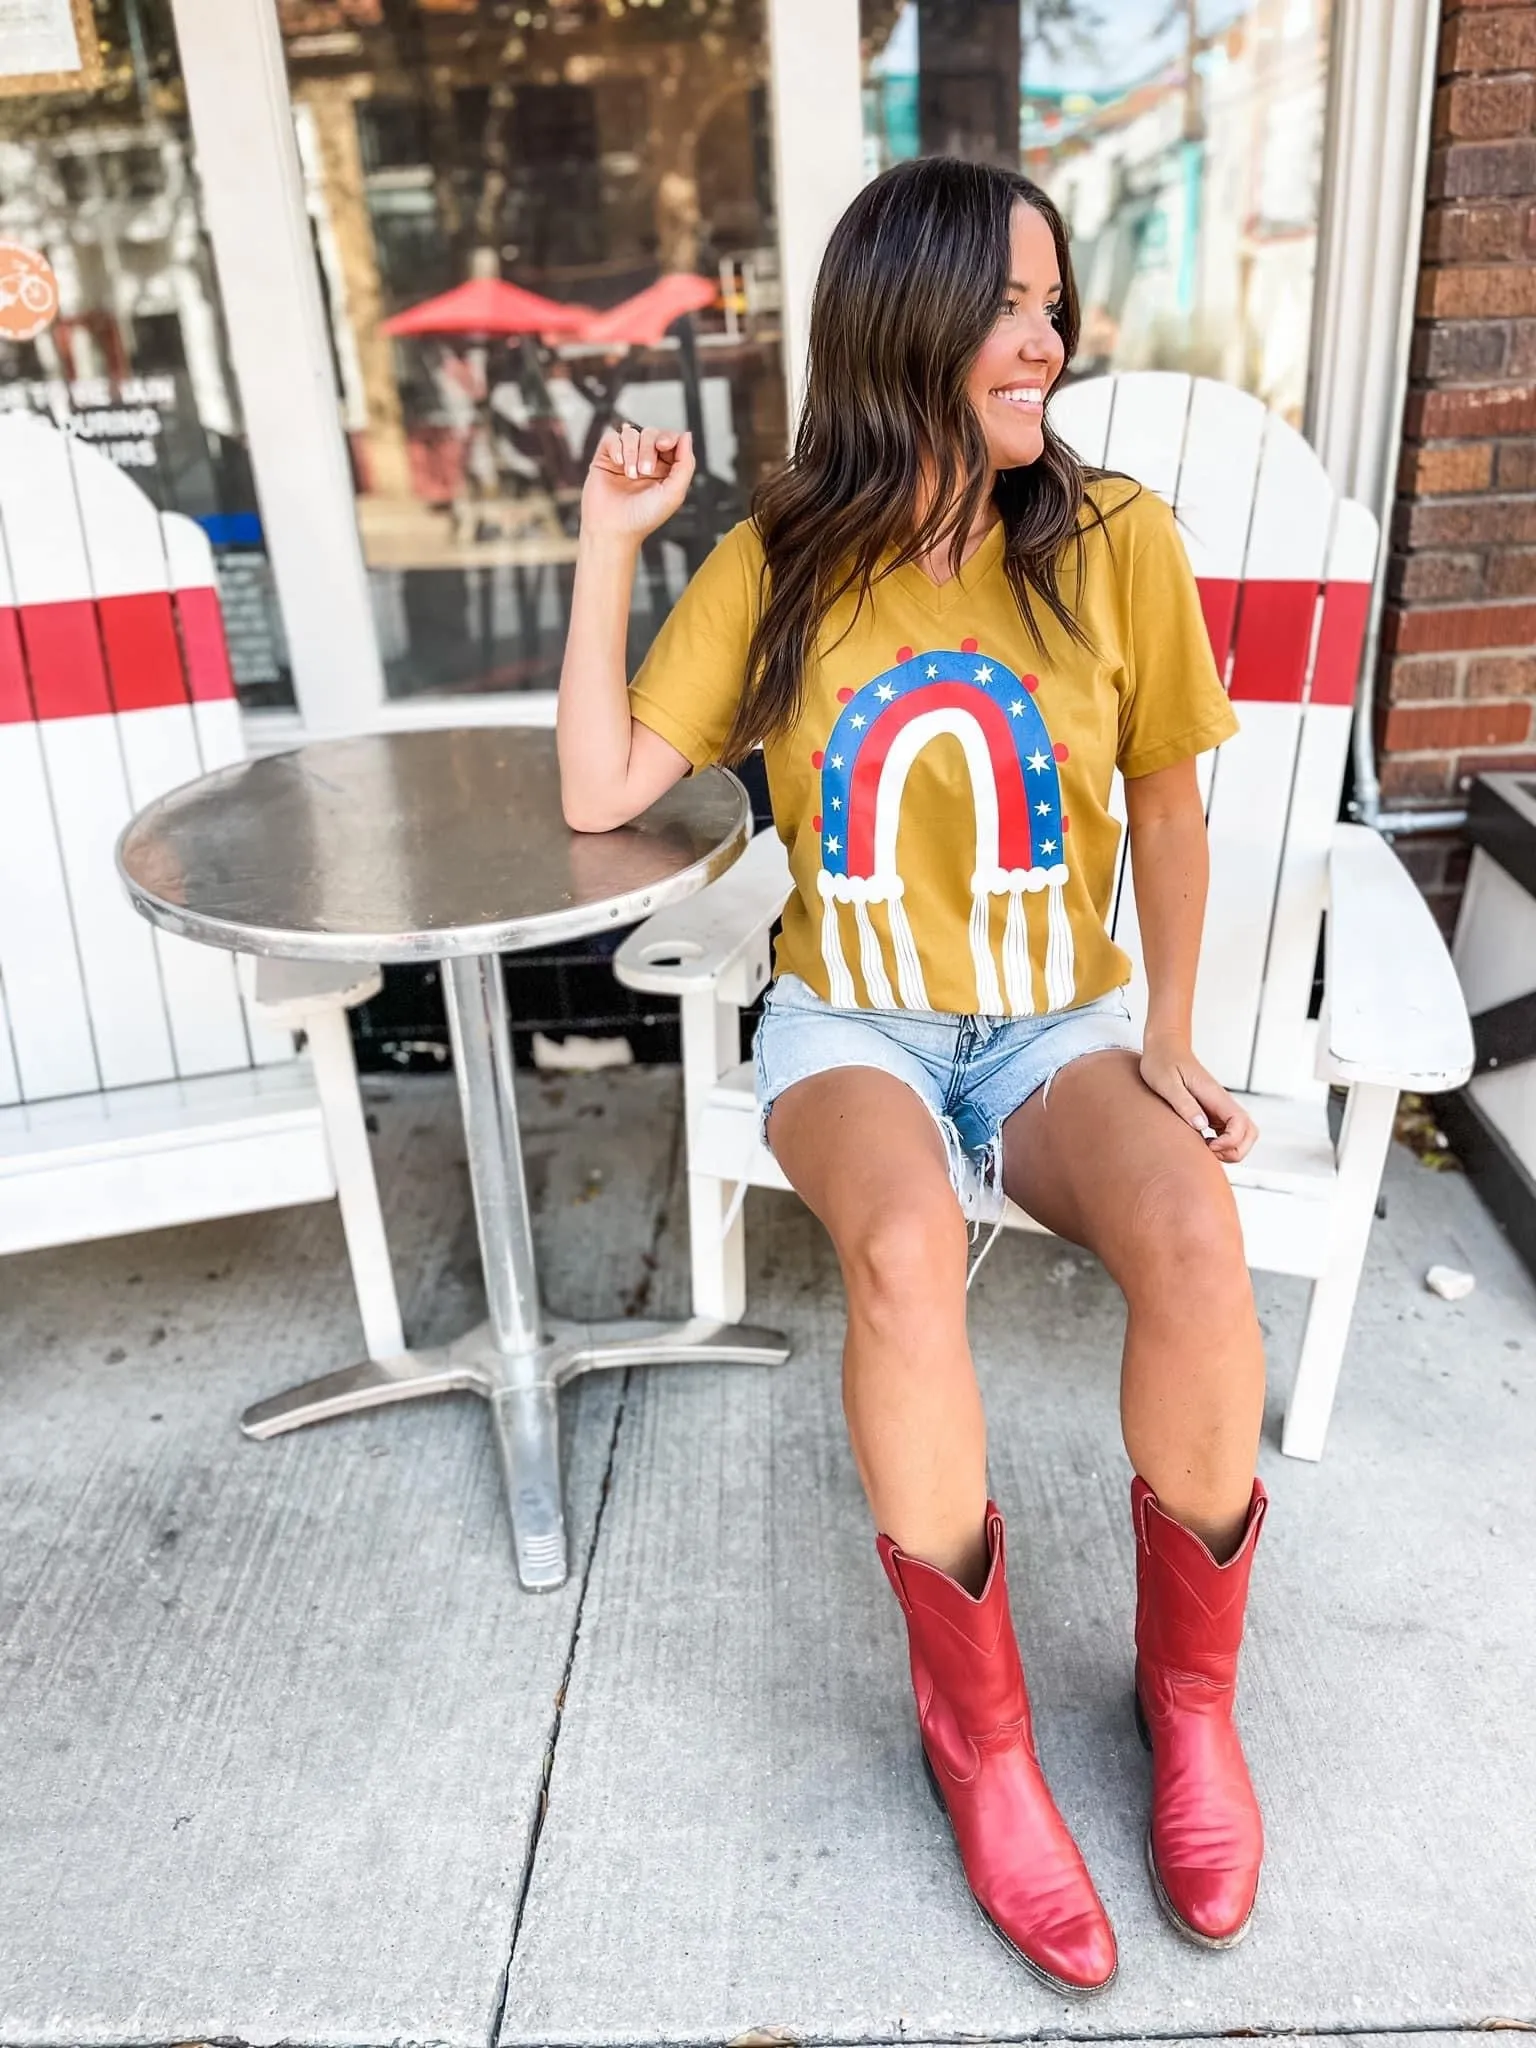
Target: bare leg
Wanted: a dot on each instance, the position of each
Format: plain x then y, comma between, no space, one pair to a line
862,1151
1100,1159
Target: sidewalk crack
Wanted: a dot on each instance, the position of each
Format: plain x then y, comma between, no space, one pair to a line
637,1306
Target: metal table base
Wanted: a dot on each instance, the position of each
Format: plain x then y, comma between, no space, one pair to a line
517,1359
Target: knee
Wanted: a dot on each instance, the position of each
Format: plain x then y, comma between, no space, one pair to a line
906,1256
1187,1241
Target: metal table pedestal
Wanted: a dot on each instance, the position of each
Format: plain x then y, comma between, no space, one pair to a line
447,846
518,1359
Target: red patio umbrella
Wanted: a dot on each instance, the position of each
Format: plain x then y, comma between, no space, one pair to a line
493,309
642,320
489,306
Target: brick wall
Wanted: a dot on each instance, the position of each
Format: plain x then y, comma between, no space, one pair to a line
1458,662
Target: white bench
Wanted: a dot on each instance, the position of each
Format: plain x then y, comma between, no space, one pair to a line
144,1081
1285,570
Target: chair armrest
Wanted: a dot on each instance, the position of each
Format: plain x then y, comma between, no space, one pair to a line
1393,1011
719,934
287,990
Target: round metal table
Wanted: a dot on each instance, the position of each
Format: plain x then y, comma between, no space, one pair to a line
447,846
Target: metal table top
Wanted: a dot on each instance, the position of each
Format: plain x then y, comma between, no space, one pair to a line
414,846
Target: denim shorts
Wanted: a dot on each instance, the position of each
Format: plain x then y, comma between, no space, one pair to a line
971,1073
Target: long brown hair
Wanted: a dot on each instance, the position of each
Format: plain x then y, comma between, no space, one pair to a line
910,286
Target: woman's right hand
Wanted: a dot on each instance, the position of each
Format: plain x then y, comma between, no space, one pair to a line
639,477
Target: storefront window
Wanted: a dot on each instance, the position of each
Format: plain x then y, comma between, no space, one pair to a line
534,164
102,184
1182,140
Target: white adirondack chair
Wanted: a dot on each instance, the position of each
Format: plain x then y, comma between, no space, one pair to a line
142,1081
1285,570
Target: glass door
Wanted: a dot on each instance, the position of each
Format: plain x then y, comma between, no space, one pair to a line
1182,140
533,217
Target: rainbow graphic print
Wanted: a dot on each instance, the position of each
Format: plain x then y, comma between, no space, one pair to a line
1020,826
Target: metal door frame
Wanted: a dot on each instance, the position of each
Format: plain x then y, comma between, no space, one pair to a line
1381,88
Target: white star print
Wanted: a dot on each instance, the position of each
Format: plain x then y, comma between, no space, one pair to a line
1042,810
984,673
834,844
837,803
1016,708
933,668
1037,762
857,721
885,692
837,760
1047,846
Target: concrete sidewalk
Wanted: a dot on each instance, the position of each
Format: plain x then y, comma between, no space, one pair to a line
285,1756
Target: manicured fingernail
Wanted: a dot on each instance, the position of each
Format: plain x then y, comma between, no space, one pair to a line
645,469
631,471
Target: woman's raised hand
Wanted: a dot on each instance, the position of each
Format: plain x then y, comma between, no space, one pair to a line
639,477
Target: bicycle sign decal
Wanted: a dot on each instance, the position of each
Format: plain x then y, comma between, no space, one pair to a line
29,292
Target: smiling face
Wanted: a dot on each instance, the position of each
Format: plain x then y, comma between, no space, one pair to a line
1022,356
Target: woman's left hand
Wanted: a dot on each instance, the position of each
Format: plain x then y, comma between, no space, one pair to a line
1170,1070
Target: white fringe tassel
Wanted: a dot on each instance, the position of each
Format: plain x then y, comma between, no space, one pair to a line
909,968
1060,961
877,983
840,990
989,997
1019,980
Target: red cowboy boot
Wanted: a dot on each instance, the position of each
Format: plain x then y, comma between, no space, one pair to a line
1024,1869
1206,1840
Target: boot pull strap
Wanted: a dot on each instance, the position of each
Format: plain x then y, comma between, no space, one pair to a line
891,1558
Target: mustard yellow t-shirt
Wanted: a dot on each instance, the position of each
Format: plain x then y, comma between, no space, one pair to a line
944,794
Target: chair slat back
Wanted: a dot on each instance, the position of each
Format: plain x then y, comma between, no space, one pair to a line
1285,569
114,687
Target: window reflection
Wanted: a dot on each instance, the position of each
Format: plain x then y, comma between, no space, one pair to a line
1182,140
103,184
534,217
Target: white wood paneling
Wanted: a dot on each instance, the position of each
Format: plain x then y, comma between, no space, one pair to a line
145,1158
1251,788
91,806
1223,439
1283,1048
1146,428
85,779
50,1028
1080,415
126,549
47,1049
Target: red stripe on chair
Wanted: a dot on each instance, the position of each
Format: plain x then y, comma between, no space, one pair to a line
1218,600
1274,638
1339,641
143,658
63,643
15,699
202,639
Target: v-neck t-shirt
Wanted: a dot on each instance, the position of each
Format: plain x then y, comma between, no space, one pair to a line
944,794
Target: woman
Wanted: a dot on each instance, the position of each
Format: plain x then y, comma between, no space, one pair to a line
946,635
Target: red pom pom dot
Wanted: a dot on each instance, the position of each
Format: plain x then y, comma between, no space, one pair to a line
816,822
1031,683
1060,751
1066,823
968,646
903,654
817,758
843,696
